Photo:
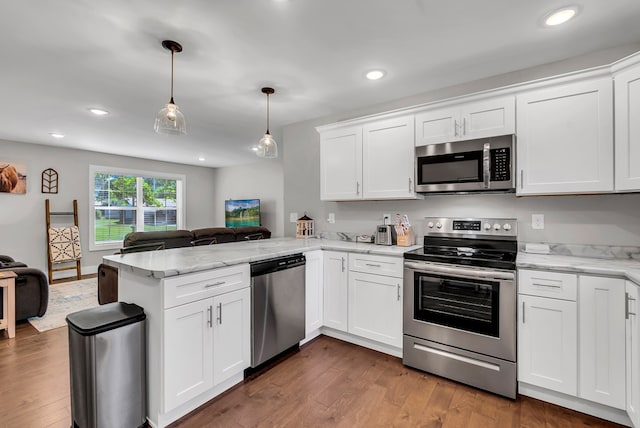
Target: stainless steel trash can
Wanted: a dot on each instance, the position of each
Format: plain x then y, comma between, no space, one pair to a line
107,362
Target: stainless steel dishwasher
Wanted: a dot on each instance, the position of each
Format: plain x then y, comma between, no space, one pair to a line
277,306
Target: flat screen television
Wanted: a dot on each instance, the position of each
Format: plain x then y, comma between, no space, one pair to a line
241,212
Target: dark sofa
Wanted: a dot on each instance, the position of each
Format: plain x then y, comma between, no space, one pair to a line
32,289
150,241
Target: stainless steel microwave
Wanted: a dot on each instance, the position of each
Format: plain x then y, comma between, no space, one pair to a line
485,164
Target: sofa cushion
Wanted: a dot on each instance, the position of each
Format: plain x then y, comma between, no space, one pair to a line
251,232
171,238
221,234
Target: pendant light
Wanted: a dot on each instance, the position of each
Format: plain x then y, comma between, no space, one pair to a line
267,147
170,119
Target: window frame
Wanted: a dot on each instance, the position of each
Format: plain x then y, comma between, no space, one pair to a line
180,179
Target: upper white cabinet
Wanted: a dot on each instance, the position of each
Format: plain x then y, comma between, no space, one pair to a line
479,119
565,138
341,164
371,161
627,126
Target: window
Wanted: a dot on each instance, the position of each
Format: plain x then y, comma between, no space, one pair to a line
127,201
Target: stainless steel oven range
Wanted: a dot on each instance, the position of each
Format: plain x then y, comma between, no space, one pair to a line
460,302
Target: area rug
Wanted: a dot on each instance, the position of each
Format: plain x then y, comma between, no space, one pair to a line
66,298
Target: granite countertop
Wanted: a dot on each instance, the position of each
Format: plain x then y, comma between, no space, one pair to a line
179,261
625,268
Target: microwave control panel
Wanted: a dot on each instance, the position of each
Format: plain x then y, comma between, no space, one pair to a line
501,164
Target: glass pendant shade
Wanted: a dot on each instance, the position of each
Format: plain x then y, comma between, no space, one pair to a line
267,147
170,120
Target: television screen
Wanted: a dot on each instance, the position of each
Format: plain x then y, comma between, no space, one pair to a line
241,212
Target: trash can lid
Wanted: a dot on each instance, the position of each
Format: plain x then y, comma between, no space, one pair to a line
103,318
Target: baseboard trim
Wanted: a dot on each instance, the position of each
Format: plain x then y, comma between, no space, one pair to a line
361,341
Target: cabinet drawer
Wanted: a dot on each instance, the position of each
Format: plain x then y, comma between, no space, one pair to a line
548,284
189,288
379,265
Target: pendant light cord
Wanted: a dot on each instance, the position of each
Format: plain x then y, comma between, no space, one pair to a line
172,52
267,113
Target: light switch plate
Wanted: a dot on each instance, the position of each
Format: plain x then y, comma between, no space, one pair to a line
332,218
537,221
293,217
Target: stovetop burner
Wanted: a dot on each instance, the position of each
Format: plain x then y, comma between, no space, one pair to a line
475,242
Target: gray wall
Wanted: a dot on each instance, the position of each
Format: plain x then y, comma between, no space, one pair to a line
601,219
22,218
260,180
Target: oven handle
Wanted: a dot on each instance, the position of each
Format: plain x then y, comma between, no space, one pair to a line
486,167
452,270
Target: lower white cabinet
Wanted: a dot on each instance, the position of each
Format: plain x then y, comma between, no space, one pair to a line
336,292
633,353
571,335
313,293
375,307
547,343
601,336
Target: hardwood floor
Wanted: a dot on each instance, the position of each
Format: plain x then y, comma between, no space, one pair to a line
328,383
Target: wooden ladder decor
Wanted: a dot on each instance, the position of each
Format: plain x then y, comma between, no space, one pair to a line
63,243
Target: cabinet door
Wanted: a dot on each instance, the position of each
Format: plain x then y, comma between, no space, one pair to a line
627,117
231,334
565,139
335,290
437,126
601,326
313,292
375,307
489,118
547,343
188,352
341,164
388,154
633,354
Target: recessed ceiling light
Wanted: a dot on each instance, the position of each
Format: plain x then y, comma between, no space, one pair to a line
98,111
375,74
56,135
561,16
201,158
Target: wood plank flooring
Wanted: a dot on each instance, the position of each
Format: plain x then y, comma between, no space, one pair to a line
328,383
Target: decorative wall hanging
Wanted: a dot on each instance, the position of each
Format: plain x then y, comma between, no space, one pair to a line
13,177
49,181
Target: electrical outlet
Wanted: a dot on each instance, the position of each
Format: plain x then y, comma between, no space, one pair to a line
386,218
332,218
537,221
293,217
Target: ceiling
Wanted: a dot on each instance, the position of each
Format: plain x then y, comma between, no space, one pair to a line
62,57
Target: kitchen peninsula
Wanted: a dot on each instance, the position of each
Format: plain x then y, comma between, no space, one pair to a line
192,355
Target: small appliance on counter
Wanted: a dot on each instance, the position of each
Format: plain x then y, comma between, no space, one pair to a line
386,235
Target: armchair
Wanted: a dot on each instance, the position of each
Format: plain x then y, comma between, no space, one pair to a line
32,289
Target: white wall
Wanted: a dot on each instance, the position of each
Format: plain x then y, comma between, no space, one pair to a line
260,180
22,217
602,219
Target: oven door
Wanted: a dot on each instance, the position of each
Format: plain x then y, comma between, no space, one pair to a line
464,307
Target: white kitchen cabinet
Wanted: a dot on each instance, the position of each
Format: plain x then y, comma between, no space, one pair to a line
627,129
602,340
547,343
373,161
565,138
231,333
313,293
632,331
188,352
485,118
341,164
388,155
336,290
375,307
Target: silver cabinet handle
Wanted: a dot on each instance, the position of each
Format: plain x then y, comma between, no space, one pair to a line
627,301
409,184
464,126
522,178
214,284
538,284
342,261
486,164
357,187
219,318
373,265
210,316
522,312
398,288
455,128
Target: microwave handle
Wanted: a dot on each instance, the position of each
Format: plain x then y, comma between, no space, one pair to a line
486,167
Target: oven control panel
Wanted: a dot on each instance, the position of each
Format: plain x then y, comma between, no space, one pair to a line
452,226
